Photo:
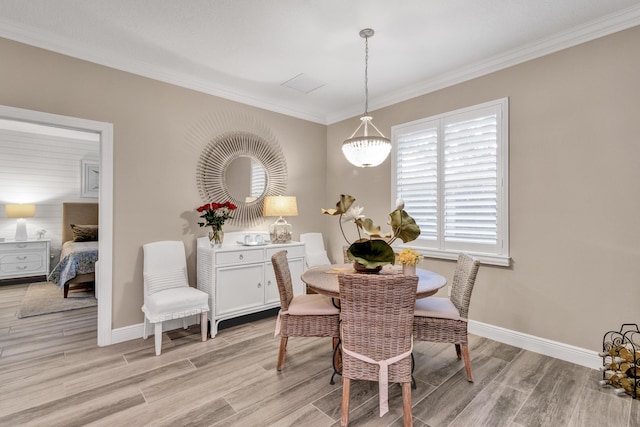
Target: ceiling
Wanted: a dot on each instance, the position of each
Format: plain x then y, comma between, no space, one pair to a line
244,50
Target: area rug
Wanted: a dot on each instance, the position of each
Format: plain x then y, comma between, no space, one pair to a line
46,297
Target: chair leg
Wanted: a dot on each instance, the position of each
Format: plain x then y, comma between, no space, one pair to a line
281,353
344,420
467,362
406,404
458,350
158,338
203,325
145,334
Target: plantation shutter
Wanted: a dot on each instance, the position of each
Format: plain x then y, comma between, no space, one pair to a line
417,178
451,170
470,179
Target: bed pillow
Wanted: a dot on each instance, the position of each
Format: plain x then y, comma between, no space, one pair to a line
84,233
163,280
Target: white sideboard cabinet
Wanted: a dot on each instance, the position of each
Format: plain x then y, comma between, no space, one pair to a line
240,279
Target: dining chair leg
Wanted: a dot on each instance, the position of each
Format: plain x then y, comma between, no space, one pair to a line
458,350
281,353
158,338
467,361
344,420
203,325
406,404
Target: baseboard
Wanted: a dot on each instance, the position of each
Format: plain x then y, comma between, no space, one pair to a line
134,332
566,352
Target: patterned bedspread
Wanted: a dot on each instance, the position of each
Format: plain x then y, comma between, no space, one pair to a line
75,258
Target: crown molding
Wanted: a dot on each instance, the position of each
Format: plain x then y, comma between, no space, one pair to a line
601,27
605,26
64,46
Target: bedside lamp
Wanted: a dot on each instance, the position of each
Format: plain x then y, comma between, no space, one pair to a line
21,212
280,231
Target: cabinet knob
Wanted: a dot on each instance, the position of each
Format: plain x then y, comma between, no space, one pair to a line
21,268
241,257
21,258
268,282
259,284
21,245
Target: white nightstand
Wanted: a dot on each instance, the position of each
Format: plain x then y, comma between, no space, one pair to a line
24,259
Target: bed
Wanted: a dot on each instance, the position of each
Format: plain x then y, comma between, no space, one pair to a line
76,269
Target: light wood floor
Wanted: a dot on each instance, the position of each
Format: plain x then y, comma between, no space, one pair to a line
52,374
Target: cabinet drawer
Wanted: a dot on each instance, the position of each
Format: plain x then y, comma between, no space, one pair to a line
292,251
23,257
31,267
22,246
242,256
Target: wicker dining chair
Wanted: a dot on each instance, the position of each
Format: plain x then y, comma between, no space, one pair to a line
306,315
377,314
444,320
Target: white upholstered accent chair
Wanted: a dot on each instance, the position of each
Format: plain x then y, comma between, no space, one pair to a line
167,294
315,252
306,315
444,320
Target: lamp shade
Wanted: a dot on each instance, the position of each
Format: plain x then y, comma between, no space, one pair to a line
280,206
20,211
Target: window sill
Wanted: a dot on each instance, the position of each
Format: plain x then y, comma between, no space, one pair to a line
489,259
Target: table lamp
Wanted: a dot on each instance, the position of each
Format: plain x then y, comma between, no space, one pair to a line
280,231
21,212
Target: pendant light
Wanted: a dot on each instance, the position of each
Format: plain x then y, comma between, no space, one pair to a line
367,150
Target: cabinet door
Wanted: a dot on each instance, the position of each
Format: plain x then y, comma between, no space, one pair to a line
239,288
272,295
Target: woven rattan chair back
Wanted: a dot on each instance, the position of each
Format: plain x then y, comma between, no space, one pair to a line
453,331
464,278
283,278
345,257
300,325
377,319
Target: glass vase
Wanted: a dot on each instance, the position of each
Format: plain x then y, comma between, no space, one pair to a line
216,237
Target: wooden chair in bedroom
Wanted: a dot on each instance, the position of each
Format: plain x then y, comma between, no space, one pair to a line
167,294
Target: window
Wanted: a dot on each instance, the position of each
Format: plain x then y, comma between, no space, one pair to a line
451,172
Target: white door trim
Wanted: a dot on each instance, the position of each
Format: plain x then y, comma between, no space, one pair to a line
104,274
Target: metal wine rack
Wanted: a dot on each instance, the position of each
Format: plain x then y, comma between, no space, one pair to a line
621,360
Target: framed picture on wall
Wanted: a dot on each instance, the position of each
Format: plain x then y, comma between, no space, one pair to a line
90,184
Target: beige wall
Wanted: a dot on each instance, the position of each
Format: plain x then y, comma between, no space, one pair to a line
574,176
574,189
154,160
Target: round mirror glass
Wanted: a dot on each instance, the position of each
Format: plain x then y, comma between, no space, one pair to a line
245,179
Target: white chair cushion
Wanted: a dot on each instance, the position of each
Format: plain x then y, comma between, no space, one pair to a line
437,307
311,304
317,258
175,303
158,281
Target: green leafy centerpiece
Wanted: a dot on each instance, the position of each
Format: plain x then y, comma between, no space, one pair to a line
372,249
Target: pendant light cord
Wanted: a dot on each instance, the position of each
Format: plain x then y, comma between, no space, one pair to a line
366,76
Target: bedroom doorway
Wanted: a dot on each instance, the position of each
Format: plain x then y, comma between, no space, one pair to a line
104,132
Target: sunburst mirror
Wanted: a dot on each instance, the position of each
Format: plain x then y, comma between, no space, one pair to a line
243,168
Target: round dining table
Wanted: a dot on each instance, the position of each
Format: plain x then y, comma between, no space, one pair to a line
323,279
